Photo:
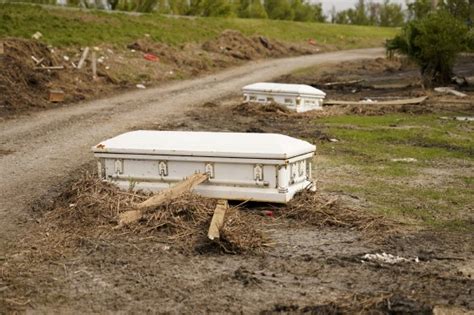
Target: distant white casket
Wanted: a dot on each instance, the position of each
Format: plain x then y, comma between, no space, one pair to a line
297,97
241,166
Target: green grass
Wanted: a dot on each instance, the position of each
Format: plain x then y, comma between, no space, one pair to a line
74,27
436,190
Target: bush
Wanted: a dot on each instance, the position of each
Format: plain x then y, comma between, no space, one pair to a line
433,42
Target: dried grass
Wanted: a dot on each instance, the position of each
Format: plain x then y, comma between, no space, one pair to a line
319,210
91,208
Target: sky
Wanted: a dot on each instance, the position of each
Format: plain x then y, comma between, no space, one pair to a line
345,4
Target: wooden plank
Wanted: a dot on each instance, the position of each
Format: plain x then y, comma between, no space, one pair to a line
94,65
177,190
50,68
217,221
408,101
83,58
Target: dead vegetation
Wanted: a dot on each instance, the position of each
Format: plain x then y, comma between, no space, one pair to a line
90,208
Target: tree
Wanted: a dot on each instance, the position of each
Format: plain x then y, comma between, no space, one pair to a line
257,11
279,9
433,42
458,8
216,8
418,9
390,14
179,7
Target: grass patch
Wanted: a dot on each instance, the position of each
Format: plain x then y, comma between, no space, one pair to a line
62,27
435,190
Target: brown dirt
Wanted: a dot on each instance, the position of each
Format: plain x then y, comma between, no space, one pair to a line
25,89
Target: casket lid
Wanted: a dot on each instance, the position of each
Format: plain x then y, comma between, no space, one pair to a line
281,88
206,144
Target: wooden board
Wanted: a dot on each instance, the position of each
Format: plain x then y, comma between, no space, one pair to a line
408,101
217,221
173,192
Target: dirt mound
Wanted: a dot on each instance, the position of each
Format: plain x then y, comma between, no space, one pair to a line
21,86
238,46
91,207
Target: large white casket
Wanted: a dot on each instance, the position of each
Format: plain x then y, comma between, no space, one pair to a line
241,166
296,97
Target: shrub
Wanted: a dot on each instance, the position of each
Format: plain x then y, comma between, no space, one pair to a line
433,42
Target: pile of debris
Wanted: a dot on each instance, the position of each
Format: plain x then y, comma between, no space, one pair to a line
92,207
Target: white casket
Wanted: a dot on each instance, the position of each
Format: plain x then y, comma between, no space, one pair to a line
241,166
296,97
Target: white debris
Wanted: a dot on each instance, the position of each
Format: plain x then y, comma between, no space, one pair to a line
101,59
110,51
96,48
66,58
333,140
388,258
465,118
107,67
132,50
37,35
140,86
407,160
449,90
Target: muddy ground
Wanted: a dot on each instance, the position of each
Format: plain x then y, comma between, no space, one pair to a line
25,81
312,262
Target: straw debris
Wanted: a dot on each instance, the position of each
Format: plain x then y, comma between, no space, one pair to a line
91,208
319,210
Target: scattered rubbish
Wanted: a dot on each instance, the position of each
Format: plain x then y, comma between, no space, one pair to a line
407,160
132,50
465,118
279,165
350,82
147,35
110,51
387,258
217,221
140,86
95,48
107,67
151,57
166,247
370,101
66,58
73,65
37,61
83,58
450,90
101,59
268,213
333,140
409,101
37,35
49,68
296,97
459,80
56,96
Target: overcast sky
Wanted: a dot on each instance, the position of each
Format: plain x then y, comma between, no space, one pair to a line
345,4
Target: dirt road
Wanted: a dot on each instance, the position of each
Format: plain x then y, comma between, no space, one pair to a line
37,151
